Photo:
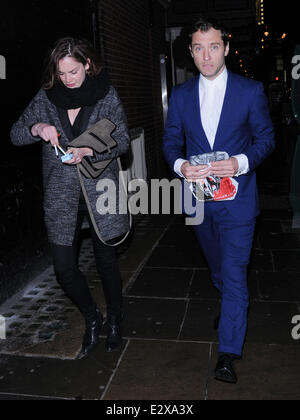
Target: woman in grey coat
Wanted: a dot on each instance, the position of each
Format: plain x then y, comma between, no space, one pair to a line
75,95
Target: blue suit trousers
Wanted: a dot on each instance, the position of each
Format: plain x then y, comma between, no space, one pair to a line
227,244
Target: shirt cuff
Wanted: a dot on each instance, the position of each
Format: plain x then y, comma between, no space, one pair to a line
177,166
243,162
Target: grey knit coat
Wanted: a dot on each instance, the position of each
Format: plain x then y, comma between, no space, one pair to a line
61,182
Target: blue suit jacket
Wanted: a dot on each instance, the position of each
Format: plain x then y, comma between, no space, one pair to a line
245,127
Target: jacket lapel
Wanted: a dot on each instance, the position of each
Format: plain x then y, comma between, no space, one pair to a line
194,115
65,123
80,124
226,113
227,110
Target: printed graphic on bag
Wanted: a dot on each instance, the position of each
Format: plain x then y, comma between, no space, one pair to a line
213,188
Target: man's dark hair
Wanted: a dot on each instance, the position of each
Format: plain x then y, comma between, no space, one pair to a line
204,24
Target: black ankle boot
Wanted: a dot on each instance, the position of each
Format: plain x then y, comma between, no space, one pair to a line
92,333
114,332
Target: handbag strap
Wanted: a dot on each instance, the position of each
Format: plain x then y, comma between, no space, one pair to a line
91,211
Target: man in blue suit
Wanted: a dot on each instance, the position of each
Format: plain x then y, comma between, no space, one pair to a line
222,111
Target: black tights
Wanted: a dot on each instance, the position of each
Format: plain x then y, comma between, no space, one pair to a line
73,281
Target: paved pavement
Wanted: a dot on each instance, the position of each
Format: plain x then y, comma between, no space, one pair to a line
169,349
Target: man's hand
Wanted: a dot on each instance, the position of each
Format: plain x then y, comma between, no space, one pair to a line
225,168
195,173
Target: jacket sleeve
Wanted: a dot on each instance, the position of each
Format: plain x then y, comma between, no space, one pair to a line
262,129
117,116
21,130
174,137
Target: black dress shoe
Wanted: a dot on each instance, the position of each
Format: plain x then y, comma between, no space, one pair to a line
225,371
114,333
92,333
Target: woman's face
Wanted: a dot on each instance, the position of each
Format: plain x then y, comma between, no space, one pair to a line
71,72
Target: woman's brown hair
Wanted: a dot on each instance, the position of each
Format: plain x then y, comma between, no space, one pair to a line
79,49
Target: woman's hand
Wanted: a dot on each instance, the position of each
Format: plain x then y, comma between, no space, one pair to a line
47,132
78,155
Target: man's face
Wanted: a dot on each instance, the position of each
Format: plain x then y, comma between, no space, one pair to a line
209,53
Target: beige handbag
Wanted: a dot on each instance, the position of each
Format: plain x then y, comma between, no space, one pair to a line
98,137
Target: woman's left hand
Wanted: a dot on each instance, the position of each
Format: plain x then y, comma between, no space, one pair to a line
78,155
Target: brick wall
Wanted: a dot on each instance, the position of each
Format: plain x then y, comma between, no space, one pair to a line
132,39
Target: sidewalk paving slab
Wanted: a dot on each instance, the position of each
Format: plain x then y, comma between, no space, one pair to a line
169,349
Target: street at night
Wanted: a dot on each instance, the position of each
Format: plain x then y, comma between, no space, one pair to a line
168,340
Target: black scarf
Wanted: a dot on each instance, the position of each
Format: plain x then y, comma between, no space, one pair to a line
89,93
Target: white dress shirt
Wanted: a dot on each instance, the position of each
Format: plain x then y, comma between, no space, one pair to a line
212,94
